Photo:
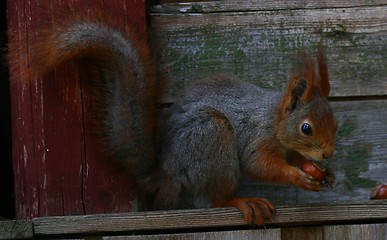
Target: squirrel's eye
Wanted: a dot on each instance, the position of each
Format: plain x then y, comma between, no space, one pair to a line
306,129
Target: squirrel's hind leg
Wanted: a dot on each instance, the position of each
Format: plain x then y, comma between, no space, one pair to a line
199,161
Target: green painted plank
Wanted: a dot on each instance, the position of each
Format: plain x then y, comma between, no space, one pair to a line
262,46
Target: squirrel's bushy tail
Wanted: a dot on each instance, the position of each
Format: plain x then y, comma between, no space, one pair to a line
122,71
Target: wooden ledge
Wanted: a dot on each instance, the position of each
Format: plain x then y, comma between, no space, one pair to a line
18,229
201,220
244,6
230,218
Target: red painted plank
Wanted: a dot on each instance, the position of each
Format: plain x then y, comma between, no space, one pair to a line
106,187
58,170
26,196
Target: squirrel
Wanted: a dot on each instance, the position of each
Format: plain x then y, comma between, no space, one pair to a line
194,153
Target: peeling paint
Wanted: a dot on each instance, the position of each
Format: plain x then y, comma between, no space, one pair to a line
25,156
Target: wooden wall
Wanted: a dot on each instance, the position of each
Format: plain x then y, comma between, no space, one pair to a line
259,42
58,172
57,168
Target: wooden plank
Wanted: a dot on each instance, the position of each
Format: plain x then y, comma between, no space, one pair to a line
262,234
58,169
361,231
22,124
106,187
254,5
261,46
297,233
222,218
359,161
41,129
16,230
53,128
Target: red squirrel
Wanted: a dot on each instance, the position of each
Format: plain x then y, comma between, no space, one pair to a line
194,154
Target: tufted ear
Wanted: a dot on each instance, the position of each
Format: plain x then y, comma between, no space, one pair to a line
306,83
300,88
323,79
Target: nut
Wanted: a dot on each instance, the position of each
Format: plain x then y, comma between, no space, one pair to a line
380,192
314,169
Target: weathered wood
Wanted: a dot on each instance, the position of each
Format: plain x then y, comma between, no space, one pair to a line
262,234
16,230
296,233
255,5
107,188
57,167
189,220
363,231
22,145
113,225
260,45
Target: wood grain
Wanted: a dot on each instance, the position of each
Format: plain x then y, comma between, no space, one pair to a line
254,5
361,231
262,234
16,230
261,46
57,166
189,220
310,233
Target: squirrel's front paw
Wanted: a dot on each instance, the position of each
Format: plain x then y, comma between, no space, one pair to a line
255,210
306,181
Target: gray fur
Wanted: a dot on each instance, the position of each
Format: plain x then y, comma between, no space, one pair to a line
193,147
116,73
217,131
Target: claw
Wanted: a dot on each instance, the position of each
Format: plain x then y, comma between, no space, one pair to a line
307,182
255,210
